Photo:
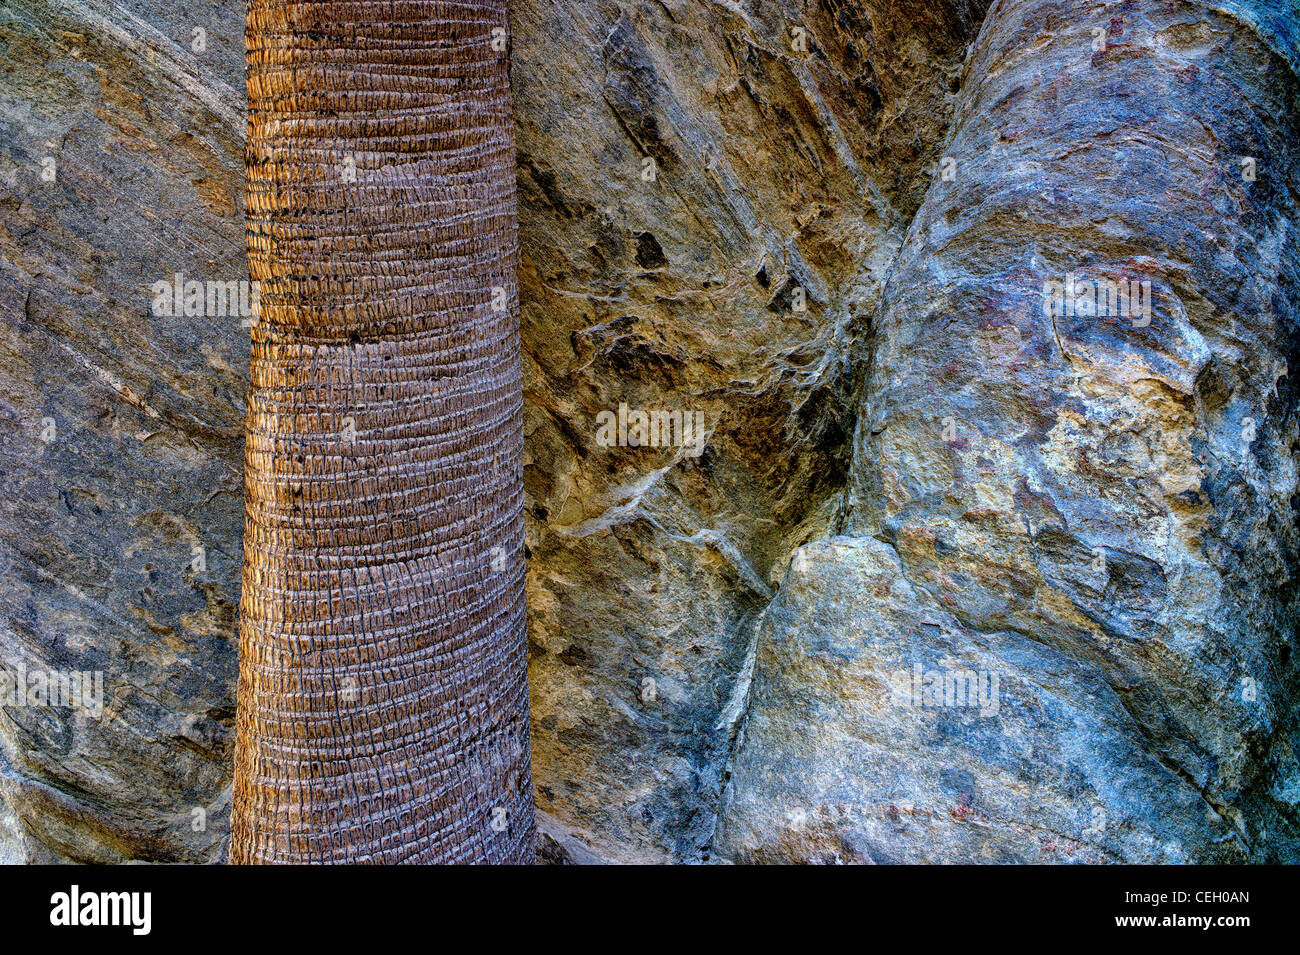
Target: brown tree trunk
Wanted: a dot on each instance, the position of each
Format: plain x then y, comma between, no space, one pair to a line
383,698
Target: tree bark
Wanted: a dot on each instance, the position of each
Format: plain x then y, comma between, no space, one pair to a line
383,697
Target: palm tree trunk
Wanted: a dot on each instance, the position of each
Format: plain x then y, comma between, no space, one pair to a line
383,696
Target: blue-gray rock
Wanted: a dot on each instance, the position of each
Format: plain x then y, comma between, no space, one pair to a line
1091,506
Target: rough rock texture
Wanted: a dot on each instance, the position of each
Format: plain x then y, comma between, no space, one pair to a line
99,525
782,177
774,168
1097,510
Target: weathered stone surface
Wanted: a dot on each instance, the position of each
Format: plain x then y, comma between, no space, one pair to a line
1097,510
836,765
774,167
99,524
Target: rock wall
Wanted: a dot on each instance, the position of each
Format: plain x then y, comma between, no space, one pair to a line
1089,511
121,431
705,191
814,231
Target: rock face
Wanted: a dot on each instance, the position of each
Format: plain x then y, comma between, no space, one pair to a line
705,190
121,431
820,236
1090,511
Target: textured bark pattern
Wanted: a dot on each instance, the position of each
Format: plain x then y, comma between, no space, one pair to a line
773,164
383,692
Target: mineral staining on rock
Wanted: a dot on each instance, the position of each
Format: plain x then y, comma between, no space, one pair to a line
1098,508
699,214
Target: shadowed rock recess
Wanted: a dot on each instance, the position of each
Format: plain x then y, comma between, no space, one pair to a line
920,571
